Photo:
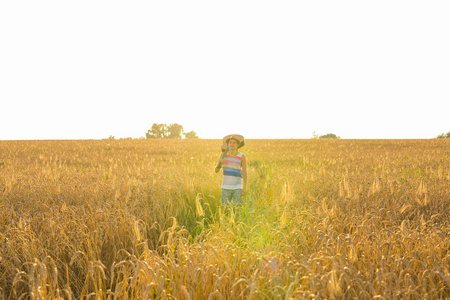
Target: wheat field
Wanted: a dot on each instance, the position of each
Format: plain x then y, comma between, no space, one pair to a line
141,219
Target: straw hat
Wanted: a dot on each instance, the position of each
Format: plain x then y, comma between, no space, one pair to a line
237,137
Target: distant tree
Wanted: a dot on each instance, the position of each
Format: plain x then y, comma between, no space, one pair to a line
174,131
315,135
191,135
444,136
158,131
111,137
329,136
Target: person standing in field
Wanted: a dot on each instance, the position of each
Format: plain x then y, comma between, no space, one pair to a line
234,163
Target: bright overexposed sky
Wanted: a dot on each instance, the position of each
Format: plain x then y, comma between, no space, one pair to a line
265,69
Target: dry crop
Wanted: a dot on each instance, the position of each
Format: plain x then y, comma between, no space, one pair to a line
141,219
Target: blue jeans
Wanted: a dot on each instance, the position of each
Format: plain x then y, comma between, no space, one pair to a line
231,197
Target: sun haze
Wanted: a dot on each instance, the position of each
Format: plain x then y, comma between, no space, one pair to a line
265,69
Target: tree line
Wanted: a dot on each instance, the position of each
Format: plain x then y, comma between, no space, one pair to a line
325,136
172,131
444,135
176,131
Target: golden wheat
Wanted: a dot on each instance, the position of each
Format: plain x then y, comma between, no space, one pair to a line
141,219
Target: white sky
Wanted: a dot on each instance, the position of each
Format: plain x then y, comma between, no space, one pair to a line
264,69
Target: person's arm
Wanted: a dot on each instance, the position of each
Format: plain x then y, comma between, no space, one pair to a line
219,164
244,174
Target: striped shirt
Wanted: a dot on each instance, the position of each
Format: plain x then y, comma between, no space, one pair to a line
232,173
